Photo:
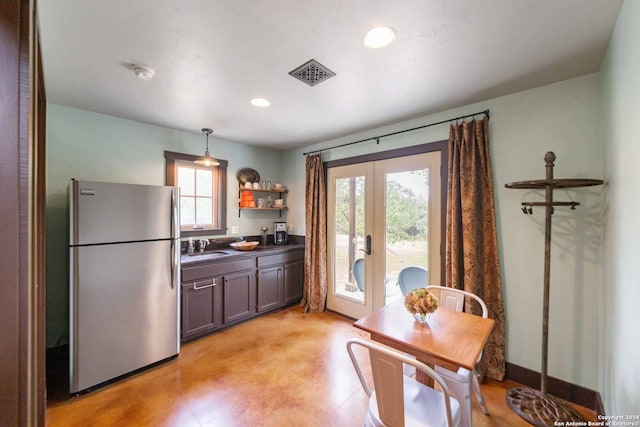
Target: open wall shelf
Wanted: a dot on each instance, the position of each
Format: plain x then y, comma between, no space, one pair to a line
281,195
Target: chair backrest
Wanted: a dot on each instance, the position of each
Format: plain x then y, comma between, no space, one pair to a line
388,381
453,299
358,273
412,277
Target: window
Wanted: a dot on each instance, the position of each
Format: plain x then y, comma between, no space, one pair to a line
203,204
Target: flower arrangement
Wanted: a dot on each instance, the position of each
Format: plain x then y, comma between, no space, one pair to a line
420,302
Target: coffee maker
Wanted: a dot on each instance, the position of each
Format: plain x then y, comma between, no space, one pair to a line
280,233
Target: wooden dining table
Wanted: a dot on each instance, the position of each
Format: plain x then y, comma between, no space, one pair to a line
450,339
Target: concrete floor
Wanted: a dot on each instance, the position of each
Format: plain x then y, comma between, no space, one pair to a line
284,369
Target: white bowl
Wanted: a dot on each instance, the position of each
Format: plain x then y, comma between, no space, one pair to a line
278,202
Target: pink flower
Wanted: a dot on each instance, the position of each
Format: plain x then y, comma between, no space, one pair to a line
420,301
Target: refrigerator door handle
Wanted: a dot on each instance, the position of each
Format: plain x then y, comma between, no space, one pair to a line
73,318
172,261
175,225
175,238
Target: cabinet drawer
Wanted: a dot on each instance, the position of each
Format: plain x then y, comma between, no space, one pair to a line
283,258
190,274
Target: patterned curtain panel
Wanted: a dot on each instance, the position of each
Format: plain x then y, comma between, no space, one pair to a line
315,259
471,240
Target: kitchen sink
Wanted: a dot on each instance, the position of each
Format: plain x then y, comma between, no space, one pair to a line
210,253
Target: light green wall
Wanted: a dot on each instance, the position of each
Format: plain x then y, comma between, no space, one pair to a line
561,117
89,146
586,121
618,305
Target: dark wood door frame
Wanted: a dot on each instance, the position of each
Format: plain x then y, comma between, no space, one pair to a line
22,251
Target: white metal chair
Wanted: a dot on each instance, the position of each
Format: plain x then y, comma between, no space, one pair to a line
461,382
397,400
412,277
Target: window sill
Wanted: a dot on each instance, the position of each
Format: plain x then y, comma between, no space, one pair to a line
203,232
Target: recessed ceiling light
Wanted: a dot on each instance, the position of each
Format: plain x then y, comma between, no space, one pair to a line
260,102
142,72
379,37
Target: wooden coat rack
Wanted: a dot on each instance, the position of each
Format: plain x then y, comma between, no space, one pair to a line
538,407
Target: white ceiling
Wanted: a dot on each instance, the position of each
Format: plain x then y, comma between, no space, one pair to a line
212,56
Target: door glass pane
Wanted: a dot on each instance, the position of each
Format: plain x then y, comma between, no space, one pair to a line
407,225
349,237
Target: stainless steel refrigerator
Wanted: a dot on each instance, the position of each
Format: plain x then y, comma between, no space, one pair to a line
124,253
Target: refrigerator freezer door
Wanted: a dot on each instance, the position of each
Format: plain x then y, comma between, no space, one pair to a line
124,310
104,212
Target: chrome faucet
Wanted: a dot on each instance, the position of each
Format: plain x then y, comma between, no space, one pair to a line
202,243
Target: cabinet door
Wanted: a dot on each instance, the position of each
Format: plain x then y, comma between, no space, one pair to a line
270,288
293,281
239,296
201,306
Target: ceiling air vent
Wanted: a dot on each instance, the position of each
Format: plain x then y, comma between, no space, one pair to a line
312,73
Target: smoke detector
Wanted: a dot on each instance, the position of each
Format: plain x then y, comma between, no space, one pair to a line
142,72
312,73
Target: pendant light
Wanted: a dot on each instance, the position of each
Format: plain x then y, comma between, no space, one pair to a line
207,160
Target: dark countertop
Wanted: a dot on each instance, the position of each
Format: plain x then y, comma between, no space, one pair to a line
226,253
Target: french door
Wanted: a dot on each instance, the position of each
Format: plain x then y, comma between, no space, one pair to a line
382,216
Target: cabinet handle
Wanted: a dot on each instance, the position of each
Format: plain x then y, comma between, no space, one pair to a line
210,285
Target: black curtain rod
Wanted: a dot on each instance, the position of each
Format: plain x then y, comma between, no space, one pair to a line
377,138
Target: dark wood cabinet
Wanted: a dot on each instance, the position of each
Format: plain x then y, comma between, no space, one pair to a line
293,281
282,281
219,293
201,306
270,288
239,296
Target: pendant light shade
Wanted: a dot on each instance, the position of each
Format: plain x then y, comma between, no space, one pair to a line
207,160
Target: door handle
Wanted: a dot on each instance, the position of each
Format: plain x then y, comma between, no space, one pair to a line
367,245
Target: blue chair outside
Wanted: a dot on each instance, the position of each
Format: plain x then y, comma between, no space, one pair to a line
358,273
412,277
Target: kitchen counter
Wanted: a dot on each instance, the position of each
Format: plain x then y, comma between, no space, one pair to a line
227,253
